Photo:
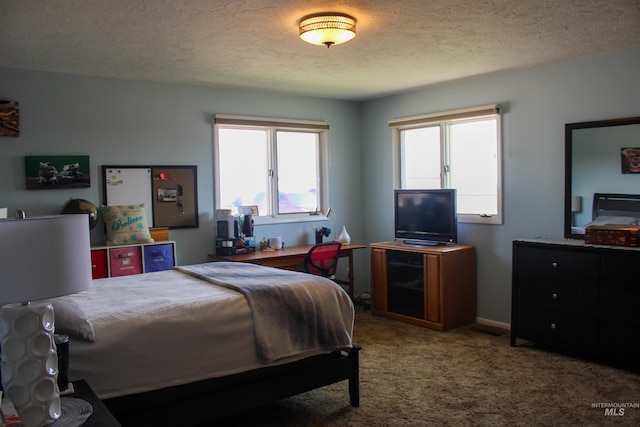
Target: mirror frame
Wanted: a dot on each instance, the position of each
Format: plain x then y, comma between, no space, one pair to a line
568,138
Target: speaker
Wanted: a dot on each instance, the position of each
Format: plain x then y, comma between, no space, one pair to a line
227,229
247,226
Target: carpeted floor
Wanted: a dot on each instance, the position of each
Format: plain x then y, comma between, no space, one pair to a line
411,376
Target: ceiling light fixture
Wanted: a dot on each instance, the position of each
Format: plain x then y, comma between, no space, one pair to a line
327,28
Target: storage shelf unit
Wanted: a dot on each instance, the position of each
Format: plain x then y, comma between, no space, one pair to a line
114,261
431,286
578,298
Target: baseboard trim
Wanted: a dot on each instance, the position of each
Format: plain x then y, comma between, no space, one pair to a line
496,324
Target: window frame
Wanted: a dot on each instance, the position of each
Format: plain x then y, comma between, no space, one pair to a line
273,126
443,120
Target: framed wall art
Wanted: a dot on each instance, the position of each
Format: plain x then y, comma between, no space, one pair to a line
630,160
9,118
170,193
57,172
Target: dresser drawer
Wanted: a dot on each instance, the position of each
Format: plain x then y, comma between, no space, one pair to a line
572,332
620,304
621,271
572,297
558,265
620,341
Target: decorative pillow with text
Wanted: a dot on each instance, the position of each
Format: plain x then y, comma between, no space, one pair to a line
126,225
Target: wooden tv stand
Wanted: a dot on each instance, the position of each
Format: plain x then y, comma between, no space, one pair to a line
430,286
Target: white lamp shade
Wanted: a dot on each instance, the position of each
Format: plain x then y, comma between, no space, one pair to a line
44,257
40,258
576,204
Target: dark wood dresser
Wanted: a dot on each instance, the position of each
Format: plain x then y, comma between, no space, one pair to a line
578,298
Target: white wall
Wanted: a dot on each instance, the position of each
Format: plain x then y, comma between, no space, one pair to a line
536,104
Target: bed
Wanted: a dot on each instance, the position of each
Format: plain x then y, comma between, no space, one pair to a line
200,342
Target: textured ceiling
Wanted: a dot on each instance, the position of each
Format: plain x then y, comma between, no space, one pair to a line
401,44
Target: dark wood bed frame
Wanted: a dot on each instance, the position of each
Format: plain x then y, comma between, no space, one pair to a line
204,401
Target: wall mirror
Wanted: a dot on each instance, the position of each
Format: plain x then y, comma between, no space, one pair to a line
600,157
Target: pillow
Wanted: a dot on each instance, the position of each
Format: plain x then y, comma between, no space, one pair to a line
126,225
617,220
70,319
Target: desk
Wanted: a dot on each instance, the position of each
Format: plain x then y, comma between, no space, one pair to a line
291,258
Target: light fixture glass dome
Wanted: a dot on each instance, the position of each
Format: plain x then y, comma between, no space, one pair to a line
327,28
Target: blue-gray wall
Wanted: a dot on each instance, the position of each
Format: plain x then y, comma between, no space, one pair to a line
536,103
125,122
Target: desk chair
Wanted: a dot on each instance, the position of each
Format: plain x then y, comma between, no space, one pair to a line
322,259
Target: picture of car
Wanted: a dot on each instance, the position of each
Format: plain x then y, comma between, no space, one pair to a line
289,202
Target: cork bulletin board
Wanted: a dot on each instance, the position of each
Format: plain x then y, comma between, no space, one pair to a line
169,192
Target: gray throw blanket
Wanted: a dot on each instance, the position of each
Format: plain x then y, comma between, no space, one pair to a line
293,312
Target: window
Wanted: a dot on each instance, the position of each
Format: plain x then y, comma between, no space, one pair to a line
277,165
457,149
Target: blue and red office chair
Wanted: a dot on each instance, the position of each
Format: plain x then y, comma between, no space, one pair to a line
322,259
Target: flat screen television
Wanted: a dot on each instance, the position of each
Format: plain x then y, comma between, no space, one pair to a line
426,217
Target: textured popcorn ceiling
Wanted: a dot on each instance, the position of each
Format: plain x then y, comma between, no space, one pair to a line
401,44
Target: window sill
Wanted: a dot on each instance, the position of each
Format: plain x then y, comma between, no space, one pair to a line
480,219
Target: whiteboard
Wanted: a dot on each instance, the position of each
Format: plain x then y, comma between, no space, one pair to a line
129,186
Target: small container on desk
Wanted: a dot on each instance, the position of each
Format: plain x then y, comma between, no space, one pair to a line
237,246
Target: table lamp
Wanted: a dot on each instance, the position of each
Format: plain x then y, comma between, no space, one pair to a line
41,258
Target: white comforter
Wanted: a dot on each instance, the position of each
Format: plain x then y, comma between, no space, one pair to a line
293,313
168,328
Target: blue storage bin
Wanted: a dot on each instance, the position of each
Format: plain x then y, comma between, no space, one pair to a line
158,257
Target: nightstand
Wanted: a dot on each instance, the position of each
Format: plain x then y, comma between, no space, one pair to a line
101,416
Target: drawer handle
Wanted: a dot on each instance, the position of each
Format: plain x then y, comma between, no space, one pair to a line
554,265
554,295
554,326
